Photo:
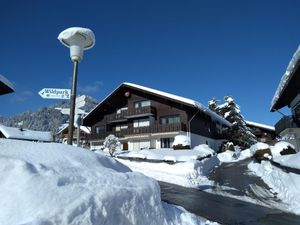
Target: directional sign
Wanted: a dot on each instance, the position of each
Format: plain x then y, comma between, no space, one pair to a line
55,93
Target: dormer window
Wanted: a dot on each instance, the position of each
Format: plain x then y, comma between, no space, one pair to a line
141,104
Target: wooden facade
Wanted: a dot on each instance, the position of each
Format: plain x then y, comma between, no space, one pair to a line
138,114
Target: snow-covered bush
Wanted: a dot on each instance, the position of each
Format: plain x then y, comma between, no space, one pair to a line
112,143
261,151
229,146
181,142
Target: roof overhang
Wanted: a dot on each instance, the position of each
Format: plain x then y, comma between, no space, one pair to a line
5,86
289,86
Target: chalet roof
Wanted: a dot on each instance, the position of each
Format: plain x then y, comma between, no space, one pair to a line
5,86
25,134
260,125
172,97
65,126
289,85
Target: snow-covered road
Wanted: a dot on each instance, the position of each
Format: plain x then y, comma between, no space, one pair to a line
223,209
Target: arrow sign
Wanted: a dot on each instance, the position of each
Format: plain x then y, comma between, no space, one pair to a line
55,93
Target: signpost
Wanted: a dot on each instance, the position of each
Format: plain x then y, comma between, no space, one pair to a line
55,93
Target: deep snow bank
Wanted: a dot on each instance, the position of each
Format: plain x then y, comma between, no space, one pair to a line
58,184
286,185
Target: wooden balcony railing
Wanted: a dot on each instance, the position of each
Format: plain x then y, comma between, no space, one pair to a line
159,128
131,113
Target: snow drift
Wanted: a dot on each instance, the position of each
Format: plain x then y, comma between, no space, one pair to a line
57,184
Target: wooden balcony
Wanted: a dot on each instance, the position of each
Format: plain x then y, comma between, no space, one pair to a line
131,113
159,128
284,123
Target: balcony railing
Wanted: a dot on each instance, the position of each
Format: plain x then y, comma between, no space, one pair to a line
131,113
284,123
159,128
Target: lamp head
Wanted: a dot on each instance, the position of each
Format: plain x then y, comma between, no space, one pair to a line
77,39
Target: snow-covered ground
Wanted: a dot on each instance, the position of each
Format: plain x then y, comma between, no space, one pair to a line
59,184
188,174
168,154
286,185
187,171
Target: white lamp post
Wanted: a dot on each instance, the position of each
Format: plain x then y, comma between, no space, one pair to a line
77,39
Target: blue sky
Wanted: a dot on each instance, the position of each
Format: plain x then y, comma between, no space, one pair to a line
196,49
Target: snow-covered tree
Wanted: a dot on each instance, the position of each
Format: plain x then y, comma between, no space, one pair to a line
239,133
112,143
213,104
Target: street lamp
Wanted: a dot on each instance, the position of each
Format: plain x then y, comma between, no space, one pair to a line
77,39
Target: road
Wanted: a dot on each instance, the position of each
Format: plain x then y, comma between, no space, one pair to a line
227,210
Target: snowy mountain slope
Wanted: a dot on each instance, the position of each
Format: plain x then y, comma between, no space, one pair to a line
46,118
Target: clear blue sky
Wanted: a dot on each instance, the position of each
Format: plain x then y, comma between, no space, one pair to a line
196,49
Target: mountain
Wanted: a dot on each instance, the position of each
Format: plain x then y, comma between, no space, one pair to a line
46,118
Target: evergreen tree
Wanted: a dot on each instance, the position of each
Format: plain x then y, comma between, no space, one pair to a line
239,133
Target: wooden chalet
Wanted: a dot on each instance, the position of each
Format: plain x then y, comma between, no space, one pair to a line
263,133
62,134
5,86
288,95
143,117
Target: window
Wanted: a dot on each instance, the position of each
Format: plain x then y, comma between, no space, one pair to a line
142,104
100,129
121,127
141,122
170,119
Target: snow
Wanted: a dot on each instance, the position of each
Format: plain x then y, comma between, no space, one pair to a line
187,171
25,134
286,77
286,185
182,140
50,183
192,173
168,154
258,146
234,156
260,125
70,32
291,161
84,129
279,146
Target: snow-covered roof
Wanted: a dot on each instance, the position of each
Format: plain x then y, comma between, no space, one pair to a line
25,134
260,125
177,98
5,85
285,79
84,129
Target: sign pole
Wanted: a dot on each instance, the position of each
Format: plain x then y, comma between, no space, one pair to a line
72,103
